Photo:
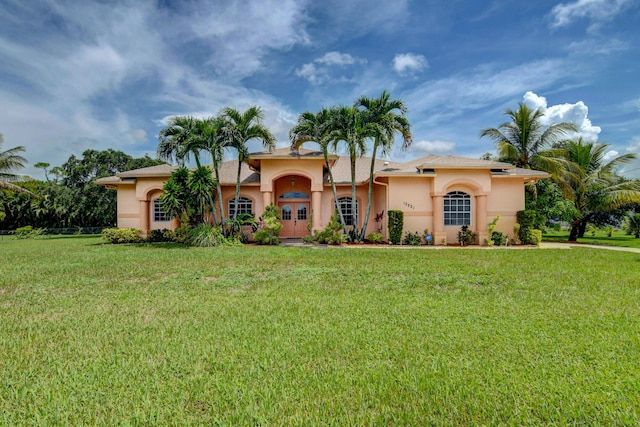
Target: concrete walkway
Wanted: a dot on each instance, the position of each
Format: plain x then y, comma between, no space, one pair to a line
567,245
543,245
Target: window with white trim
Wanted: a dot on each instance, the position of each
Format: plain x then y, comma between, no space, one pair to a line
457,208
159,214
245,205
349,216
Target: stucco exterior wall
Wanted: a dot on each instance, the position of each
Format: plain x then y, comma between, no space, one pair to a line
128,207
506,199
412,195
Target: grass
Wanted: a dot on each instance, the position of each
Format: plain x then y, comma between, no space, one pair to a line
618,238
165,335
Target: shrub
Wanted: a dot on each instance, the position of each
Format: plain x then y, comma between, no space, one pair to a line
333,233
122,235
466,236
28,232
375,237
527,220
164,235
208,235
490,228
535,236
412,239
264,237
396,224
182,235
498,238
271,227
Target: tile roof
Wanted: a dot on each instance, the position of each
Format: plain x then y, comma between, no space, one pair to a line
341,168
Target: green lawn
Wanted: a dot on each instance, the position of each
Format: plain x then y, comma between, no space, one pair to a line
164,335
618,238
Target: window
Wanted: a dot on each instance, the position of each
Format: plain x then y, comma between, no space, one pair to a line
245,205
159,215
457,208
286,213
302,213
345,206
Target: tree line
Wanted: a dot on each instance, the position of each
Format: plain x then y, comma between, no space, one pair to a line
584,187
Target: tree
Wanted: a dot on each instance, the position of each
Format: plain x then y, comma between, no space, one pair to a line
238,129
209,138
43,166
382,115
349,125
10,161
316,128
174,139
593,185
527,143
633,224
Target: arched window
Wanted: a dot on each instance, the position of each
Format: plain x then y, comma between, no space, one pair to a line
302,213
457,208
159,215
350,217
245,205
286,213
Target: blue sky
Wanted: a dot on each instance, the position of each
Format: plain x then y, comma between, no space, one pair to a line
107,74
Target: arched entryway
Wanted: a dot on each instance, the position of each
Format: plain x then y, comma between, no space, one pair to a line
293,198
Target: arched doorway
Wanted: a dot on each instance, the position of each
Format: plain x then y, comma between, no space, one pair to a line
293,195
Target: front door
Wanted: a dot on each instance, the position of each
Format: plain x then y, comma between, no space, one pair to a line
295,218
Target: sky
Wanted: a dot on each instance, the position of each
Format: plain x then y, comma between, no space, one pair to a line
78,75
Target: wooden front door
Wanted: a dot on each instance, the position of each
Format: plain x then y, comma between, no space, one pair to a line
295,218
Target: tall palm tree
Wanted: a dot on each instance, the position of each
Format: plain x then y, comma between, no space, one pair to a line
175,138
527,143
210,139
10,161
383,115
316,128
238,129
349,125
593,185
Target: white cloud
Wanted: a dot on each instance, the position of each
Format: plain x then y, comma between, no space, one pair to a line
409,63
596,11
574,113
433,146
609,155
322,69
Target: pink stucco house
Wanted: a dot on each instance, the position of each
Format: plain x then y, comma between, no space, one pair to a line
440,193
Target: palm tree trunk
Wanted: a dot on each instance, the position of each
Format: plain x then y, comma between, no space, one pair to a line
335,192
219,188
370,195
354,205
235,202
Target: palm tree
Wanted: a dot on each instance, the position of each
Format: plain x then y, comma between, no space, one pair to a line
386,122
593,185
527,143
238,129
316,128
10,161
349,125
209,134
174,140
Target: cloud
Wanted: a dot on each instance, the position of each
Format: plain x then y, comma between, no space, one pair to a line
596,11
409,63
609,155
433,146
322,69
574,113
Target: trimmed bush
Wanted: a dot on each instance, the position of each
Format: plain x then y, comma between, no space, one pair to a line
396,224
498,238
28,232
265,237
271,227
466,236
412,239
164,235
374,237
122,235
535,236
527,220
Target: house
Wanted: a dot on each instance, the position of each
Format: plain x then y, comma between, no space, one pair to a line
440,193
